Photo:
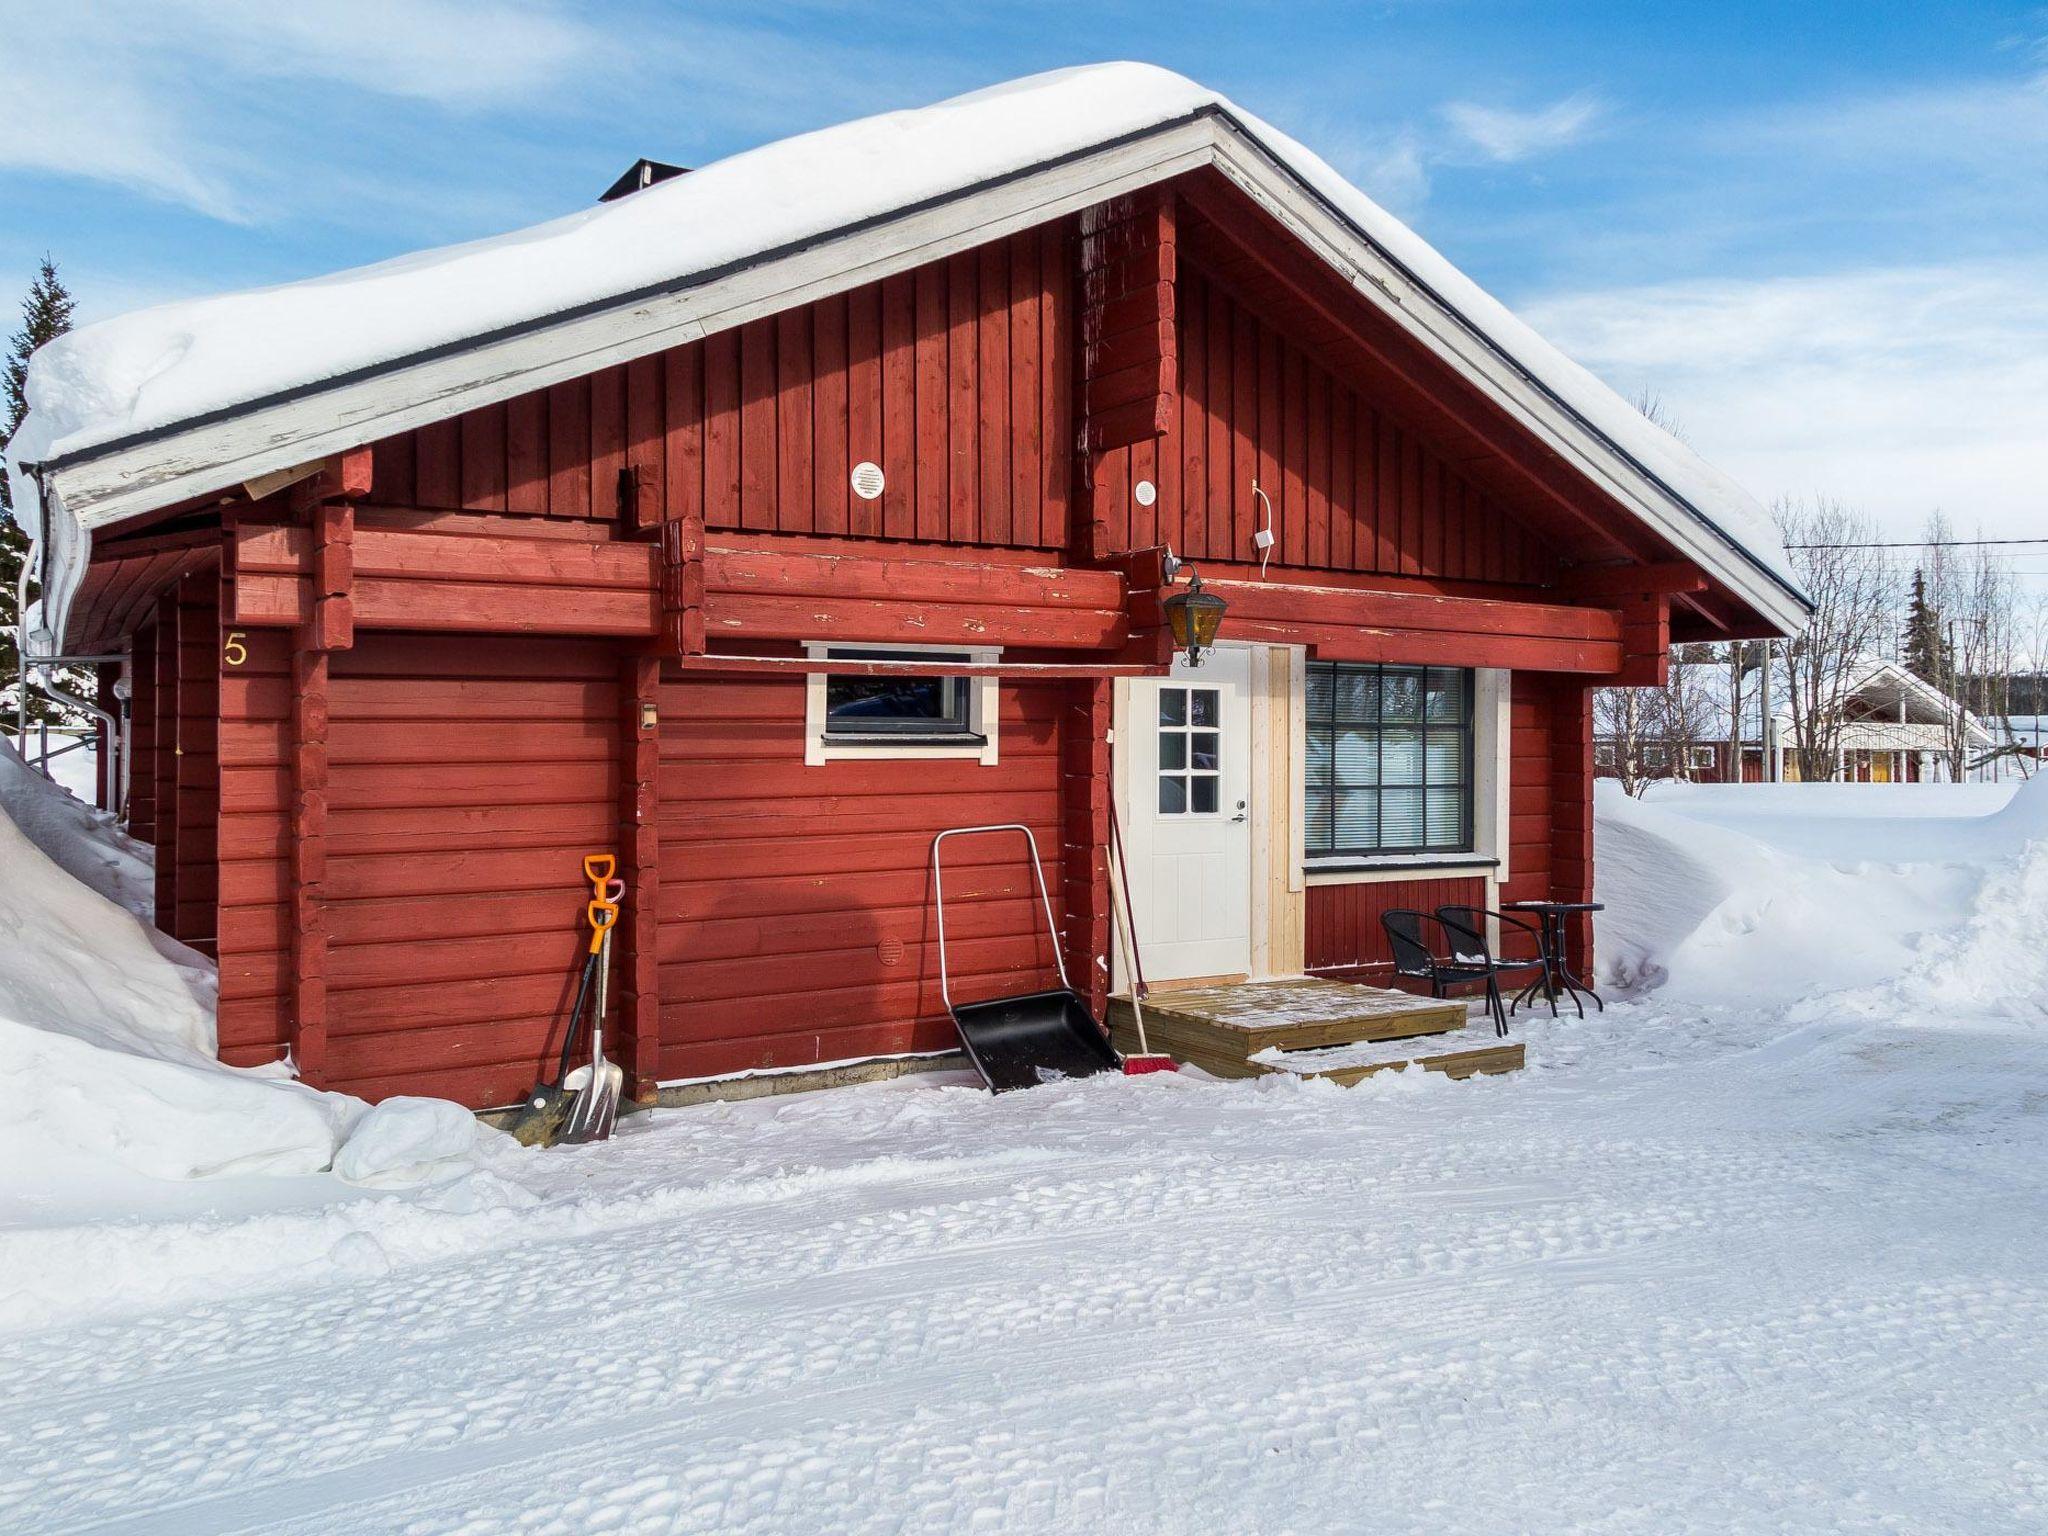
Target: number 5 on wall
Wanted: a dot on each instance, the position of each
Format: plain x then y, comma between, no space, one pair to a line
233,652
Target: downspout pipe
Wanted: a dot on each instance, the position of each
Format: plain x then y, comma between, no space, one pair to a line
112,726
37,671
21,627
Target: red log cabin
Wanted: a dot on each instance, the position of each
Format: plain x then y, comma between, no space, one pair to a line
762,555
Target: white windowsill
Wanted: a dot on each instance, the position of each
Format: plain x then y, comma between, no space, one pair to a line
1398,866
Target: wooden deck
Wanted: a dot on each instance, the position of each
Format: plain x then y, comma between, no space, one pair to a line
1314,1028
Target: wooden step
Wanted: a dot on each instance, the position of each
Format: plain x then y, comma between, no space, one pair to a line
1221,1029
1467,1052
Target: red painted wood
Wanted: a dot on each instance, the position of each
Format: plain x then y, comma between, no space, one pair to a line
1344,936
646,403
993,446
466,779
796,917
831,494
963,398
793,495
758,420
901,382
194,772
140,811
931,447
607,440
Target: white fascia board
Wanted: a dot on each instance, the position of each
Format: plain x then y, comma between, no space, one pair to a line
1450,337
319,421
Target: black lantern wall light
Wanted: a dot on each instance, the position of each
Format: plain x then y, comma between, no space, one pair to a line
1193,615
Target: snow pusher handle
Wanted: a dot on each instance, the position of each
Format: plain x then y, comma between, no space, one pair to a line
939,896
598,869
602,915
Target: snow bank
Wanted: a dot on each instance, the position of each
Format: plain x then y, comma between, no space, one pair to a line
83,841
1880,898
107,1038
166,365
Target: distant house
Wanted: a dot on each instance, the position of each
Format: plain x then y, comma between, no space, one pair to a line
1896,731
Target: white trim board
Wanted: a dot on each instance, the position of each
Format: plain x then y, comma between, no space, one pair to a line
984,712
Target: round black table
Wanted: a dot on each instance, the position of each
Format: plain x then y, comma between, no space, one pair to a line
1556,974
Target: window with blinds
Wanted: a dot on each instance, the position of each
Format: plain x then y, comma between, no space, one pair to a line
1389,759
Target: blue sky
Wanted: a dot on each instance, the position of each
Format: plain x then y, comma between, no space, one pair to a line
1818,232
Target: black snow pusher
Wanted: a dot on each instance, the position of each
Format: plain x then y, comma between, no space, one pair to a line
1035,1037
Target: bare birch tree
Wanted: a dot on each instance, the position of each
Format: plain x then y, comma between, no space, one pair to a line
1828,544
1619,722
1975,602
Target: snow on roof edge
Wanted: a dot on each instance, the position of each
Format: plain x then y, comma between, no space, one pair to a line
161,370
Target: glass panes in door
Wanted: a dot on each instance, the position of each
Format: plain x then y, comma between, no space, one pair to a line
1190,751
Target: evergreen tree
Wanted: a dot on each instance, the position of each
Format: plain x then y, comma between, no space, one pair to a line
45,314
1923,648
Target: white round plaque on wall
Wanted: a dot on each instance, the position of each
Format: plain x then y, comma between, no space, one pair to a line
867,480
1145,493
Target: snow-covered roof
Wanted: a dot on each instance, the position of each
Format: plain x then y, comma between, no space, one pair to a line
147,405
1880,685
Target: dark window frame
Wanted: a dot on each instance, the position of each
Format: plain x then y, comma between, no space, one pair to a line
956,727
1322,842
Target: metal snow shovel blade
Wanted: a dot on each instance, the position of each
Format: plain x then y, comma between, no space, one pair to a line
597,1086
540,1116
1033,1038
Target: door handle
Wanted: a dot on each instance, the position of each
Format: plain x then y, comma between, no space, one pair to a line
1240,816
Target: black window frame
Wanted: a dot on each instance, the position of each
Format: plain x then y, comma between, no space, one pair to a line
954,728
1322,843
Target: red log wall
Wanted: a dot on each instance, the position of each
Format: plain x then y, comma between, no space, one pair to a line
796,906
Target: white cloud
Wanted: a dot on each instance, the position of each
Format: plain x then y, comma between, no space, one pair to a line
1898,389
163,96
1505,136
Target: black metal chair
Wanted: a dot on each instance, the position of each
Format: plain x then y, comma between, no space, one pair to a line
1467,929
1460,964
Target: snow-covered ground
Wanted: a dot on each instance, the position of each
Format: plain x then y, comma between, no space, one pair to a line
1760,1248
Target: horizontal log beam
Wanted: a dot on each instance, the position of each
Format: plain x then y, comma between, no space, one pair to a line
873,574
1662,578
1018,670
404,553
462,607
1521,653
1277,603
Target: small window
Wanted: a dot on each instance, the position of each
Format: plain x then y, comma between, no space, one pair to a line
1389,760
897,714
1190,750
929,707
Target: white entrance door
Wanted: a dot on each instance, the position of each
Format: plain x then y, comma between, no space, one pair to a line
1187,751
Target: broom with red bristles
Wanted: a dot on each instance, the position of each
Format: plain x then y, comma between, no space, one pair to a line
1144,1059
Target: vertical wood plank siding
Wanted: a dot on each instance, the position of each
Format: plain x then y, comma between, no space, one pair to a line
141,808
1344,935
1352,488
957,380
194,774
796,904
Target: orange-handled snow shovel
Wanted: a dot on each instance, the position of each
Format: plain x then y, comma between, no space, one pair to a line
597,1086
546,1105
